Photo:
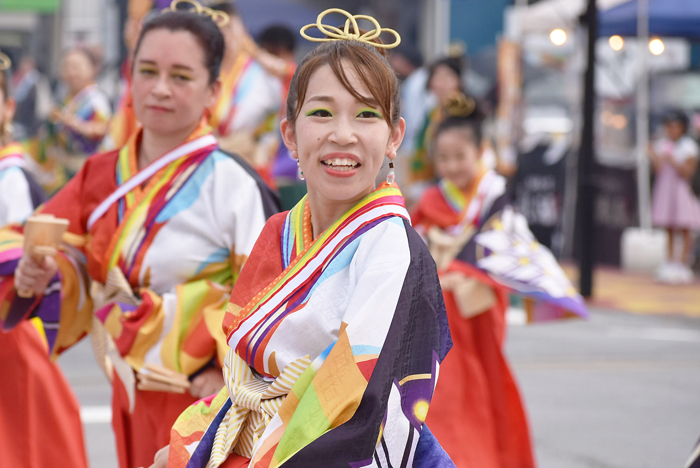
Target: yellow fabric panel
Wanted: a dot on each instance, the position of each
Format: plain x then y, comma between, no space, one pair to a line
76,306
339,371
213,317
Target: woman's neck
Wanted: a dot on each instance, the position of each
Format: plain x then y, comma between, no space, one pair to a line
153,145
324,212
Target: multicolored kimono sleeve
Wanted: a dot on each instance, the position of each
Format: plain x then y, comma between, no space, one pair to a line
15,196
65,308
486,233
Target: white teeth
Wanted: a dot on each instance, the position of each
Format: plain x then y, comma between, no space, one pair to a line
341,163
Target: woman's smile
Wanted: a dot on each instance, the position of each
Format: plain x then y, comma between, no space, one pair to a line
340,164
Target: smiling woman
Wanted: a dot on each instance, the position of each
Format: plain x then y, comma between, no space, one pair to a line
158,231
336,327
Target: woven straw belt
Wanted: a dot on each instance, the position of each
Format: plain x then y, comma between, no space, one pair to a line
254,402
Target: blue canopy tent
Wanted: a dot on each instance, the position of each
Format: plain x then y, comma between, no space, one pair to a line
677,18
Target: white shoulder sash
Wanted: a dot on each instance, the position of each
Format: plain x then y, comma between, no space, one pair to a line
147,173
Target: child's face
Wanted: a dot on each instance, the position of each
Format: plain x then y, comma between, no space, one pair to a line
457,157
674,129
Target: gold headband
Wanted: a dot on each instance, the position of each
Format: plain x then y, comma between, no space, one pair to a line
219,17
336,34
458,105
5,62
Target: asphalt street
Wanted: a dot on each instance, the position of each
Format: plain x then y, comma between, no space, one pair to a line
618,391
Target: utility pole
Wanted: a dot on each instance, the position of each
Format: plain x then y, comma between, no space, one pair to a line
643,189
586,163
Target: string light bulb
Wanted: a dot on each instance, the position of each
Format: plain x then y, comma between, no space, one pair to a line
656,46
616,42
558,37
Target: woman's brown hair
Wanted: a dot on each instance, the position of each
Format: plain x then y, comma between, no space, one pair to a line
369,63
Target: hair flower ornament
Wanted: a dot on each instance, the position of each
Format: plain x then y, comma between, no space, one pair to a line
457,104
5,62
219,17
346,34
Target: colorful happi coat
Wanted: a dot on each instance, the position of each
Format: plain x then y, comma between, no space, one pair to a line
89,105
153,251
335,346
481,229
61,151
249,98
15,191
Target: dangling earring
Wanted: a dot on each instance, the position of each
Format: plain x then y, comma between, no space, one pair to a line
300,173
391,175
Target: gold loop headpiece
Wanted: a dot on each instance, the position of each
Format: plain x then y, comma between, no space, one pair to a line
219,17
336,34
457,104
5,62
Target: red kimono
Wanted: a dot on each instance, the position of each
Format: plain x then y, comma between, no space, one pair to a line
476,413
39,416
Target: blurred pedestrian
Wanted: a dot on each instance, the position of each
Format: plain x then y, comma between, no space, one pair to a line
276,54
76,128
444,79
250,96
405,61
675,207
158,231
39,414
31,91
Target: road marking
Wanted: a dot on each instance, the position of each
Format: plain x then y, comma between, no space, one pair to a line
96,414
657,334
605,366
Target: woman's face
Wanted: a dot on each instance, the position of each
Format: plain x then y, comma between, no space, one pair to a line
170,83
340,142
457,157
443,82
77,71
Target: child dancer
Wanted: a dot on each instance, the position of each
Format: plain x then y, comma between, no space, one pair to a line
480,245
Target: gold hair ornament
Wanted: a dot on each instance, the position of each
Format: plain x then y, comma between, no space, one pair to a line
336,34
458,105
219,17
5,62
457,49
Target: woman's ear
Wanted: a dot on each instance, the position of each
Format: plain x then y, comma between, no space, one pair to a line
289,137
396,138
213,95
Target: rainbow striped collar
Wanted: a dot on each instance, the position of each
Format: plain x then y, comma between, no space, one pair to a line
312,255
